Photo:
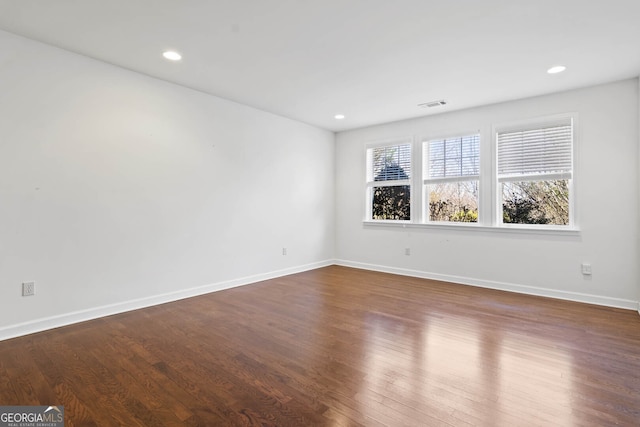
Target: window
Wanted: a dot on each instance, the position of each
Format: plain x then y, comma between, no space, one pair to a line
389,182
534,173
451,178
517,175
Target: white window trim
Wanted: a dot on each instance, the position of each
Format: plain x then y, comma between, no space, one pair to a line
488,208
465,227
497,194
423,168
410,182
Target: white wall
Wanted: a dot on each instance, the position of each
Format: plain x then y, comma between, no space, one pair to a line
607,198
118,190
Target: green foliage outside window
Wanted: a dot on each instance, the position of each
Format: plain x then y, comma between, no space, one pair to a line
536,202
391,203
453,201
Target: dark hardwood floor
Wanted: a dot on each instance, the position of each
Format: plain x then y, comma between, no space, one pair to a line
338,347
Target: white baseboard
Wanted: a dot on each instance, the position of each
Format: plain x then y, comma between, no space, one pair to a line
522,289
44,324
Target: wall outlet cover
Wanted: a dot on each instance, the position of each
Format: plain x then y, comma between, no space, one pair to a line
28,289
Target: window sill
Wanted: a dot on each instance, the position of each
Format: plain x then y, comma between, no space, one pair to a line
469,227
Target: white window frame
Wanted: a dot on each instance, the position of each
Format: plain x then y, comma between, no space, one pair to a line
371,183
490,195
531,124
426,181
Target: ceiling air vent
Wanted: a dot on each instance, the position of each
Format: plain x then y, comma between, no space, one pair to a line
433,104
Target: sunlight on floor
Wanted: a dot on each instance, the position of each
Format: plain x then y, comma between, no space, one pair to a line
463,374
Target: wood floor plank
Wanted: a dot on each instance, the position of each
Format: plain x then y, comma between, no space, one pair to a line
338,347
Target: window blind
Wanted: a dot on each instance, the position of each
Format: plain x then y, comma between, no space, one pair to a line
543,151
453,157
391,163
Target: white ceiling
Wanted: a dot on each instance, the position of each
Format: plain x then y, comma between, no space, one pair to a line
372,60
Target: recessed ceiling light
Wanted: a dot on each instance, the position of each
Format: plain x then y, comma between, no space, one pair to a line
557,69
171,55
339,116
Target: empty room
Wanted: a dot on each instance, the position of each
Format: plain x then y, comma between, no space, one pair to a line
319,213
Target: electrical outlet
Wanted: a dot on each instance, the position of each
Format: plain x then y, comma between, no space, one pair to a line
284,251
586,269
407,251
28,289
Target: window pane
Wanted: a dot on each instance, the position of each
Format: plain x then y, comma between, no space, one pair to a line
437,167
452,166
453,157
453,201
391,203
453,148
536,202
470,166
392,163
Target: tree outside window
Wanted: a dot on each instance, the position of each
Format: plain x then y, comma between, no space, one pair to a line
389,181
